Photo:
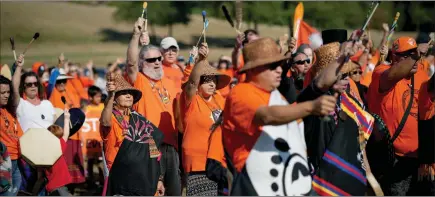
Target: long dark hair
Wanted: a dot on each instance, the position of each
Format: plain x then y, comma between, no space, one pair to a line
9,106
40,87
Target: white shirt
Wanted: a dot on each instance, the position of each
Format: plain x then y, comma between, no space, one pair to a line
35,116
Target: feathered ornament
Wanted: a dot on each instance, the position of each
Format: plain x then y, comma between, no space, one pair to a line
239,14
228,17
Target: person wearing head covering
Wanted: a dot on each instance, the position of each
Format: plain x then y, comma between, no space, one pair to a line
172,70
60,90
202,107
262,134
29,93
426,138
348,122
131,143
145,72
393,95
10,132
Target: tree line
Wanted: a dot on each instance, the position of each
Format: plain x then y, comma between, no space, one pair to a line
415,15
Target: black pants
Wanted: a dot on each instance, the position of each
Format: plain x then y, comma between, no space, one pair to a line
169,164
402,179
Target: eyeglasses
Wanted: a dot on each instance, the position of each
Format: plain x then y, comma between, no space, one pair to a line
154,59
61,81
299,62
31,84
356,72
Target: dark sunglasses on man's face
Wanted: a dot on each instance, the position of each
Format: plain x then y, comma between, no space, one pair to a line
61,81
356,72
154,59
32,84
406,54
300,62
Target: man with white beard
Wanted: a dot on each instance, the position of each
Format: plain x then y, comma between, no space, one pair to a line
145,72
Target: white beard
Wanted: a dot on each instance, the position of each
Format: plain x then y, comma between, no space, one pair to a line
431,70
153,73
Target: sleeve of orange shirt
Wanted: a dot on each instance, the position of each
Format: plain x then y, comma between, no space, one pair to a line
426,107
186,73
112,139
373,94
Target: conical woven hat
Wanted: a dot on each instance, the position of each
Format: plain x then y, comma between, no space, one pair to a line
203,68
261,52
122,85
6,72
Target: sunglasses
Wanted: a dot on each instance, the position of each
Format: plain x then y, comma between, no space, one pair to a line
344,76
61,81
299,62
32,84
154,59
406,54
356,72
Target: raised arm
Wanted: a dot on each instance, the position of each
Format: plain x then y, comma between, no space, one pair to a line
106,115
133,50
396,73
16,79
278,115
66,121
192,83
236,51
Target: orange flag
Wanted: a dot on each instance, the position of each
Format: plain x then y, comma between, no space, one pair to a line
305,31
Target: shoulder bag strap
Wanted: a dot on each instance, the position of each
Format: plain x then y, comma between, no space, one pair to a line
405,116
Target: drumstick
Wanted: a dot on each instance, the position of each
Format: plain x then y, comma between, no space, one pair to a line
390,34
204,13
228,17
64,102
144,11
13,47
36,36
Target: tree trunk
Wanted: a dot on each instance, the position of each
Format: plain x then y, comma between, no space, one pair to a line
170,29
255,25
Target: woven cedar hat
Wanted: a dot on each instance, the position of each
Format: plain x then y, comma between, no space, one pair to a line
203,69
326,54
261,52
122,85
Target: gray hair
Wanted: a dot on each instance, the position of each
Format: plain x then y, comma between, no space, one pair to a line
143,51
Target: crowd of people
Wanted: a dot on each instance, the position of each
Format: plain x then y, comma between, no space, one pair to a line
273,118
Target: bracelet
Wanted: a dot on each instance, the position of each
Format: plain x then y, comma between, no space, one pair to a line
161,177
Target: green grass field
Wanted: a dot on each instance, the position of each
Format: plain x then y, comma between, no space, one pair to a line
85,32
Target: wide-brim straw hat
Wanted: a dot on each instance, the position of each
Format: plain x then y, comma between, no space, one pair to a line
6,71
122,85
261,52
203,68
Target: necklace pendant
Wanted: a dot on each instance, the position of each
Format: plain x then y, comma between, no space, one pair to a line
165,100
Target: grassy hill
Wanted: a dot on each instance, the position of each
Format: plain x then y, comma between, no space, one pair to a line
85,32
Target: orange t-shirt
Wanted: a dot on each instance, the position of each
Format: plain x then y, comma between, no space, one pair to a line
426,107
239,132
112,139
216,148
56,99
76,85
90,131
10,133
86,81
175,75
152,107
198,119
391,106
240,77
